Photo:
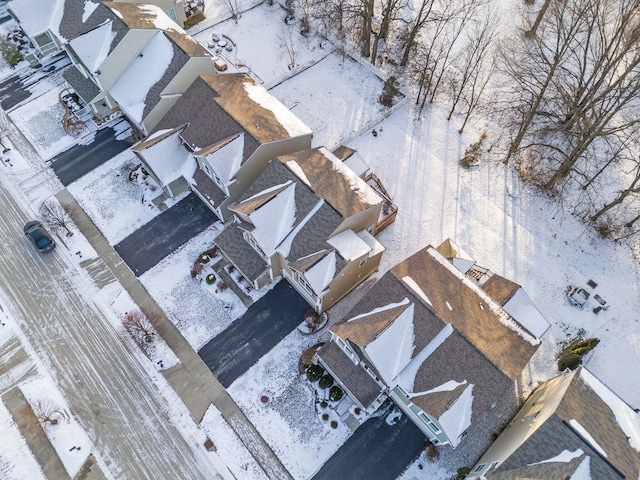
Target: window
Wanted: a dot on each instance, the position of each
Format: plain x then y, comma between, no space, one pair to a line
171,13
216,178
255,245
479,468
363,261
304,283
494,465
205,167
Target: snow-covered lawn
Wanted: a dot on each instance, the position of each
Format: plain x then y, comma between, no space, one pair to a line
16,460
230,447
117,205
288,421
513,231
40,121
259,38
337,98
199,314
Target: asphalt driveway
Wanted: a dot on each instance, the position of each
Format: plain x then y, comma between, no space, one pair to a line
145,247
79,160
262,327
375,450
20,87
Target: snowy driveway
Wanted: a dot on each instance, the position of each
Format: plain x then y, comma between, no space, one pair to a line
375,450
145,247
261,328
79,160
24,84
109,391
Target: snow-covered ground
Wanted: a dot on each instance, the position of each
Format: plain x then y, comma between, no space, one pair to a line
504,225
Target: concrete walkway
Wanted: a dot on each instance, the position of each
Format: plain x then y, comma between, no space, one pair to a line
190,378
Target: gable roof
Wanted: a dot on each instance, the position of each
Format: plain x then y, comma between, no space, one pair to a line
138,89
330,179
591,424
166,156
456,300
217,107
82,16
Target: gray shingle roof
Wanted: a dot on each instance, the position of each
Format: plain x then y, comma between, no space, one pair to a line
71,25
209,122
551,438
207,188
354,378
244,257
85,88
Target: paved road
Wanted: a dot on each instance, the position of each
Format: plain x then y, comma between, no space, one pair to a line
145,247
375,450
18,87
107,388
79,160
246,340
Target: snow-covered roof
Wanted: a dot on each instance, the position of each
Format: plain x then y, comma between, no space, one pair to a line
274,220
131,90
285,246
628,420
457,418
411,283
284,116
349,245
227,160
93,47
89,8
392,350
357,163
375,246
523,311
322,273
169,159
38,16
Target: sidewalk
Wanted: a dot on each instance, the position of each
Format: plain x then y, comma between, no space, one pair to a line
190,378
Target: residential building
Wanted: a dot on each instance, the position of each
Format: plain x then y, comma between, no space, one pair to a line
218,138
128,58
307,217
430,336
50,24
571,427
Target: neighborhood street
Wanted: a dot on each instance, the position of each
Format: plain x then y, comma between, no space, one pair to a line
110,393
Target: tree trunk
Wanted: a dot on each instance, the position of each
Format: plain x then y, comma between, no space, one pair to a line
536,24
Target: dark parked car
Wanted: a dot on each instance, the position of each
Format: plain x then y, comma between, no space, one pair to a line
39,236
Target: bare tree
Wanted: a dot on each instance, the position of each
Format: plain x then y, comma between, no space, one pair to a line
422,15
139,327
56,216
287,43
232,7
48,412
464,78
388,14
534,28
